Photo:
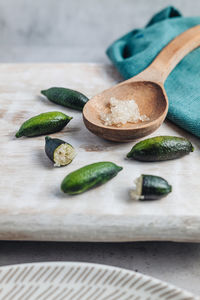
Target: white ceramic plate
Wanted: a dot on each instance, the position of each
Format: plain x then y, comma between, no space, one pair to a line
82,281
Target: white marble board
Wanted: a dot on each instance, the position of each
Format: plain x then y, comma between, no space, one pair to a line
32,206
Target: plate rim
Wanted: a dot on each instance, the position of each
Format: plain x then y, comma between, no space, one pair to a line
184,292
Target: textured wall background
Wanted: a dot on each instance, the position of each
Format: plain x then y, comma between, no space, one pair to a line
73,30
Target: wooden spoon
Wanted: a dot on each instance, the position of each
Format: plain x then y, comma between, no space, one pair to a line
146,88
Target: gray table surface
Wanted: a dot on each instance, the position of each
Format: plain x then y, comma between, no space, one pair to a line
80,31
177,263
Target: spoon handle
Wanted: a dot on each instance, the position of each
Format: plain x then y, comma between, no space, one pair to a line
173,53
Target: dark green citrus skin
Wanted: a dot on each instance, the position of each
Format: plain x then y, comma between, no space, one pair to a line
51,145
161,148
154,187
66,97
44,123
88,177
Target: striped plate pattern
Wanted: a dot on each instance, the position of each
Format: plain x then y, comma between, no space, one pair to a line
82,281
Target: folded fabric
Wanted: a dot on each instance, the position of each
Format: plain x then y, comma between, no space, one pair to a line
134,52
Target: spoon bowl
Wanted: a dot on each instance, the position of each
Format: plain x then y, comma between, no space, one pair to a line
147,89
150,98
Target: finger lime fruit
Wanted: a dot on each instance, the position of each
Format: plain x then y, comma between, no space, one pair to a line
150,187
44,123
161,148
66,97
60,152
88,177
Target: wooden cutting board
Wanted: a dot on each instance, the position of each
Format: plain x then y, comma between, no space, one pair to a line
32,206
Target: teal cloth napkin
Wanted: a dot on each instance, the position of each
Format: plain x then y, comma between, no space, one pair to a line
134,52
